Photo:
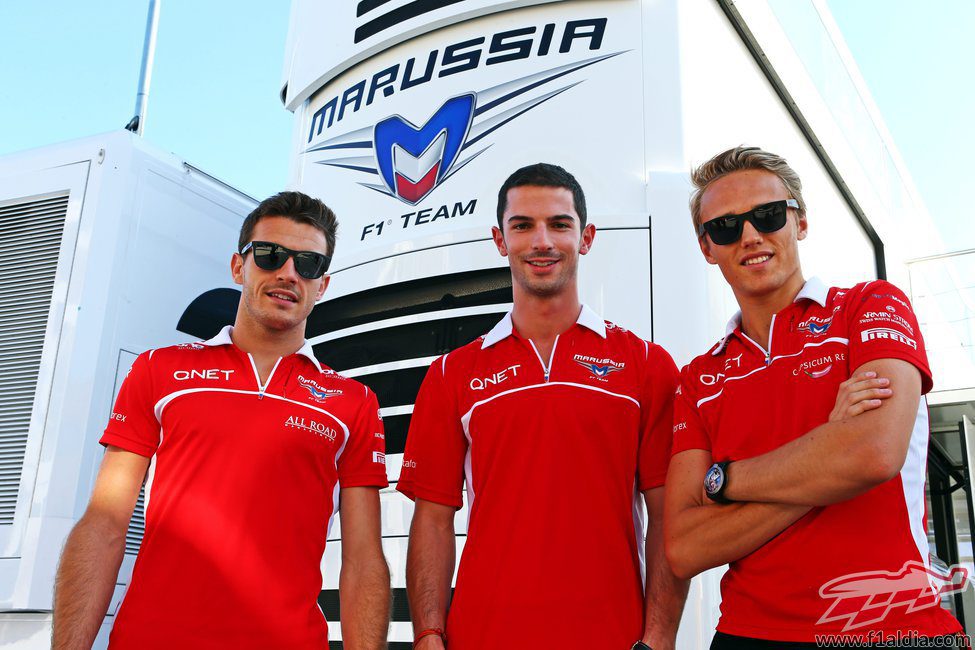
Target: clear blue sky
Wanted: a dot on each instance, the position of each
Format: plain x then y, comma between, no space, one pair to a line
70,69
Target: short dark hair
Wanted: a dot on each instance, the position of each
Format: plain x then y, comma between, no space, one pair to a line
543,175
297,207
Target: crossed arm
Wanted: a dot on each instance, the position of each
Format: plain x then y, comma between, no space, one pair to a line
364,578
93,551
863,444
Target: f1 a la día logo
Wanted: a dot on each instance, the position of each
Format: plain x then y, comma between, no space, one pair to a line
409,160
319,429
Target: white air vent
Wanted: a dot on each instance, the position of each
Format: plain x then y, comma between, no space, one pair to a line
30,237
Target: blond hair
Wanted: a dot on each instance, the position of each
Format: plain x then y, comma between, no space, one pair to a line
738,159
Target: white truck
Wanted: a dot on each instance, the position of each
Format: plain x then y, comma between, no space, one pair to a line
409,115
109,247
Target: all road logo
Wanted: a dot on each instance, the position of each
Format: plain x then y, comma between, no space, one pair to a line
409,158
311,426
317,392
861,599
599,368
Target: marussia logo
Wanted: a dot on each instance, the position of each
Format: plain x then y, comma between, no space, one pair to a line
815,328
815,325
867,598
318,393
412,161
600,368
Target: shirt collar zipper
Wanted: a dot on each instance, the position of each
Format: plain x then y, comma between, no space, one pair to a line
547,369
767,353
262,388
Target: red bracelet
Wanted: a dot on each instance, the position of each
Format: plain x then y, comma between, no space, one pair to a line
430,631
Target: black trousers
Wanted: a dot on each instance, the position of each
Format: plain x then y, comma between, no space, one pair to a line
728,642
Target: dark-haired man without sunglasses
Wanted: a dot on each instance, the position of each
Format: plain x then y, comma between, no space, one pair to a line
800,437
250,446
560,424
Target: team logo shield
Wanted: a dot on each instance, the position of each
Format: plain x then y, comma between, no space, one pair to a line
413,160
819,328
598,371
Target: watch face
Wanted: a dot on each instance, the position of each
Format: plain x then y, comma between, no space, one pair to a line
713,480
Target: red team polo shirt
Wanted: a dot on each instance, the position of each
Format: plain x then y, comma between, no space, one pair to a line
739,401
555,454
242,487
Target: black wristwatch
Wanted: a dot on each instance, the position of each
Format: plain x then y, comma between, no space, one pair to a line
640,645
716,482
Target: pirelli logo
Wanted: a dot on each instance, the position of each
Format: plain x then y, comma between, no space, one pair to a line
886,333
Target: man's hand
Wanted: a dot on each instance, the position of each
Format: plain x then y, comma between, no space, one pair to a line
364,579
843,458
94,549
864,391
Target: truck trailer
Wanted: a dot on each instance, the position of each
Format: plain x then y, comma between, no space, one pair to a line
408,117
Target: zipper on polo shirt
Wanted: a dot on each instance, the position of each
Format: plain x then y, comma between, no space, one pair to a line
547,369
767,353
771,332
262,388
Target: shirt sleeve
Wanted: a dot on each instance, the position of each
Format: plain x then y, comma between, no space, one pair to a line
883,326
689,431
656,418
363,461
132,425
436,447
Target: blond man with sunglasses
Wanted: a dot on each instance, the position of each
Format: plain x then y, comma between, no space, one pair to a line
248,446
800,437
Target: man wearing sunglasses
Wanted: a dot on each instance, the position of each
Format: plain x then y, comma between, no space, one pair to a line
249,446
800,437
560,423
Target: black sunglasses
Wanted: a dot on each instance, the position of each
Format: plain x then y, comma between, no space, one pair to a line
766,218
271,257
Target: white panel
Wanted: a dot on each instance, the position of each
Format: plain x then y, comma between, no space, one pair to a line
325,39
539,103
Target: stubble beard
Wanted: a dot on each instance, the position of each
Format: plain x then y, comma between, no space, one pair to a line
546,288
267,319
